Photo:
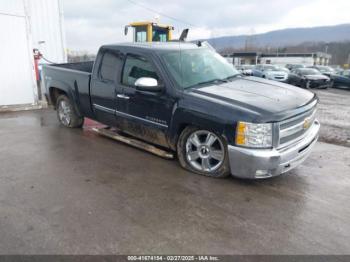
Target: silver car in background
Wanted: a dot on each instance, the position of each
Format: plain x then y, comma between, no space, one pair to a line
271,72
245,69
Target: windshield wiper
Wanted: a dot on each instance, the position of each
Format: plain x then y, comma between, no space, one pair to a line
231,77
208,82
212,81
216,80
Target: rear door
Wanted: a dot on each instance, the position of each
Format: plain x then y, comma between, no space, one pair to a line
146,114
104,86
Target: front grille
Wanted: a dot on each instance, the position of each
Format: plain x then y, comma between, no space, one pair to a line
320,81
294,129
279,77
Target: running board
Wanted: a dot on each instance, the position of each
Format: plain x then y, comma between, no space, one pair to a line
114,134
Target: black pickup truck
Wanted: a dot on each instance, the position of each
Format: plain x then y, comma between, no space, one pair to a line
187,98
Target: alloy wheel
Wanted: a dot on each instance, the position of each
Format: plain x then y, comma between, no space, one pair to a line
64,112
204,151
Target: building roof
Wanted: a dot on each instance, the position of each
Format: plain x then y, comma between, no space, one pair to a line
315,54
247,54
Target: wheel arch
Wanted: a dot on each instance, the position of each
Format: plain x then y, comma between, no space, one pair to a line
57,88
181,120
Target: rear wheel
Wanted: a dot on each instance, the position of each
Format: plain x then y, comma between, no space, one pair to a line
203,152
66,113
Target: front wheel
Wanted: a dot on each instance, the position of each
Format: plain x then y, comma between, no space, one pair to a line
305,84
203,152
66,113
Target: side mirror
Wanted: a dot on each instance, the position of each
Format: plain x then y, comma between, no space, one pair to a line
126,29
147,84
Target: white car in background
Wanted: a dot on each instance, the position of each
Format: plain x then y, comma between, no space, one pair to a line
271,72
245,69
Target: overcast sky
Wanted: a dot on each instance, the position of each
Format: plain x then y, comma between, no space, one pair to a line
91,23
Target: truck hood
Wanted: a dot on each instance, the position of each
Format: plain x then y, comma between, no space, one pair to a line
257,94
316,77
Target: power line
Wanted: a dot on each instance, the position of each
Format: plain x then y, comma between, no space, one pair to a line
160,13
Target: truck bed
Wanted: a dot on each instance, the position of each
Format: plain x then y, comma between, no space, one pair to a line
74,80
80,66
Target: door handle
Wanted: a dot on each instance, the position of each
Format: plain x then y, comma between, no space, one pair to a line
122,96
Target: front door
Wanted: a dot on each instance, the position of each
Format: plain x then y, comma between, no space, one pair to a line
146,114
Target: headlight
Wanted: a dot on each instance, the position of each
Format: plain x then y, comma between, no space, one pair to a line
254,135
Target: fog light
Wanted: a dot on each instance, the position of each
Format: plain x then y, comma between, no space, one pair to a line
262,173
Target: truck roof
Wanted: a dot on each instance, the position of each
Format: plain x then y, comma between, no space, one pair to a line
156,46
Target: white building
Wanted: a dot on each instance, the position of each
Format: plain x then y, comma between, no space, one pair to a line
284,60
25,25
308,59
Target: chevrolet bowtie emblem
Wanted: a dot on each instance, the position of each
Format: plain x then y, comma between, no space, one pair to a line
307,123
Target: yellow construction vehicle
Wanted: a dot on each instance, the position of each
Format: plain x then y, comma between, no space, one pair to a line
150,32
153,32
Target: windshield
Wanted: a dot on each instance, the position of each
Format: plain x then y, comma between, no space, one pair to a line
297,66
325,69
197,66
272,68
159,34
346,73
309,72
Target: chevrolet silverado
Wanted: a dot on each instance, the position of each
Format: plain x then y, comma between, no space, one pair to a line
185,97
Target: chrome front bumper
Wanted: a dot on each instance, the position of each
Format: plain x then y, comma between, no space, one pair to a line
264,163
279,79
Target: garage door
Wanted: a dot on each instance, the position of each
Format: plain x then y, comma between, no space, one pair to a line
17,84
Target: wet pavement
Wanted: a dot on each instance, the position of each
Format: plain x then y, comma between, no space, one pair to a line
65,191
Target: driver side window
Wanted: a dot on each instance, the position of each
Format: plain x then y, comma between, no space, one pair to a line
136,67
346,73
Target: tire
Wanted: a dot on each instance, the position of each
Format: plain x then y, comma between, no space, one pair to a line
217,166
66,113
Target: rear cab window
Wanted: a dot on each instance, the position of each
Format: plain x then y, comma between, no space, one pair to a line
110,66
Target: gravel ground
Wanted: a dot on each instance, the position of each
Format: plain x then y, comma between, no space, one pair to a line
334,114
